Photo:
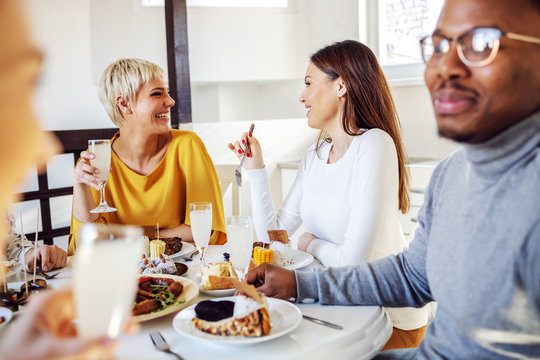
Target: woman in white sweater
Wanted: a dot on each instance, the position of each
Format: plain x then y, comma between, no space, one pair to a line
352,182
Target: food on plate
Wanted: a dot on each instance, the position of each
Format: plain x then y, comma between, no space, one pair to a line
12,299
217,276
278,235
248,315
262,255
157,248
283,253
2,319
280,247
162,265
156,294
172,244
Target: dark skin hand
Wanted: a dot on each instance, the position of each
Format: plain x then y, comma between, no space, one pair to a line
273,281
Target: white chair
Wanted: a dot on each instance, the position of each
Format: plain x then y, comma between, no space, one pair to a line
229,189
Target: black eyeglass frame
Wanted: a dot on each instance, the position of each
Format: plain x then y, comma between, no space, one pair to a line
463,58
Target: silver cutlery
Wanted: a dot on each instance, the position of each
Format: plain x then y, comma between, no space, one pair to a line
190,256
159,343
39,270
238,171
323,322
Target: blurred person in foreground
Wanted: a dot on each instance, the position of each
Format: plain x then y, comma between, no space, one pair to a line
45,329
477,247
156,171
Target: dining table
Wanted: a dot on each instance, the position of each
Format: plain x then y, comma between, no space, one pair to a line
365,329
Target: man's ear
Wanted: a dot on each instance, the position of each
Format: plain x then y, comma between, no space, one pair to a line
341,88
123,104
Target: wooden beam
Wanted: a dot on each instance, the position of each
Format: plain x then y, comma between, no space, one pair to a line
178,61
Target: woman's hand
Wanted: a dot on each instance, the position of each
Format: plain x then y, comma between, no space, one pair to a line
304,240
85,173
49,257
254,158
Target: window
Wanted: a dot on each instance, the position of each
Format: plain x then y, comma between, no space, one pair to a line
393,28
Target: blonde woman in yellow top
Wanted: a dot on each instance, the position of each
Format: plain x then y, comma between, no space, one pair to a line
156,172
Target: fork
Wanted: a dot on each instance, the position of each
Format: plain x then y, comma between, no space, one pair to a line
47,276
190,257
160,344
238,171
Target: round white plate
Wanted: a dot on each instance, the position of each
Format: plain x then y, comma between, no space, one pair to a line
284,318
300,259
189,293
187,248
7,315
218,293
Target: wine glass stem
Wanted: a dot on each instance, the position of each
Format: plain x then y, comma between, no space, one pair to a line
201,251
102,193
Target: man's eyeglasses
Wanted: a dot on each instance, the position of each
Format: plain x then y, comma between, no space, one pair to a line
476,47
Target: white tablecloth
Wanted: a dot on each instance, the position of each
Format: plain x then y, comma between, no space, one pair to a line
366,330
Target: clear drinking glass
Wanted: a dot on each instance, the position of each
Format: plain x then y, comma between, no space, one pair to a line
200,215
105,270
102,160
240,241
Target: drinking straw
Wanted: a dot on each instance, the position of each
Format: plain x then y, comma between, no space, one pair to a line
35,245
23,254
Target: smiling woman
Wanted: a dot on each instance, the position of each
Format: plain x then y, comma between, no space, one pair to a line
156,172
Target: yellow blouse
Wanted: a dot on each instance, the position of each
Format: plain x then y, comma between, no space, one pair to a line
184,175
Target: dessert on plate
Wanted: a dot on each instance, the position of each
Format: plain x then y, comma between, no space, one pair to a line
164,264
248,315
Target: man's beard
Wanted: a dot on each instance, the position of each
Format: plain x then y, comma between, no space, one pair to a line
460,138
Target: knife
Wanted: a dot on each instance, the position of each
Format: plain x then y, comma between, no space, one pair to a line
323,322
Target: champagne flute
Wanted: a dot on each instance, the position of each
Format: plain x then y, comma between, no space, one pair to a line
102,160
200,215
240,240
107,259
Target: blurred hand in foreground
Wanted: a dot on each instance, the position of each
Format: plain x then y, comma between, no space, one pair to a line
273,281
45,330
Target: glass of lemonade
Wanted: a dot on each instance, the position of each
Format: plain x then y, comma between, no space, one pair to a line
105,270
102,160
240,241
200,215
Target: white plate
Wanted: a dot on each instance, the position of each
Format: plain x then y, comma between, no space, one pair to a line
218,293
284,318
189,293
187,248
300,259
7,314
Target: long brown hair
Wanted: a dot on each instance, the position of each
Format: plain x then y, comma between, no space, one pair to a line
368,102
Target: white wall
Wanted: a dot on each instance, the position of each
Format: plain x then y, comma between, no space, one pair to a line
244,64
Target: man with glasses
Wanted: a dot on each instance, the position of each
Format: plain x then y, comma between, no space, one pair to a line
477,248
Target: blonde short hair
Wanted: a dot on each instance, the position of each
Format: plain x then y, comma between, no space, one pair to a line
125,77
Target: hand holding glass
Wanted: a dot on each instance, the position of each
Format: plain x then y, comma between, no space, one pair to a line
240,241
106,275
102,160
200,216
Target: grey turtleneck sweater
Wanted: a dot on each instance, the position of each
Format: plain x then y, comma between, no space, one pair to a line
476,252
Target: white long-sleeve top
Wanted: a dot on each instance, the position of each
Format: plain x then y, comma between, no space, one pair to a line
350,206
